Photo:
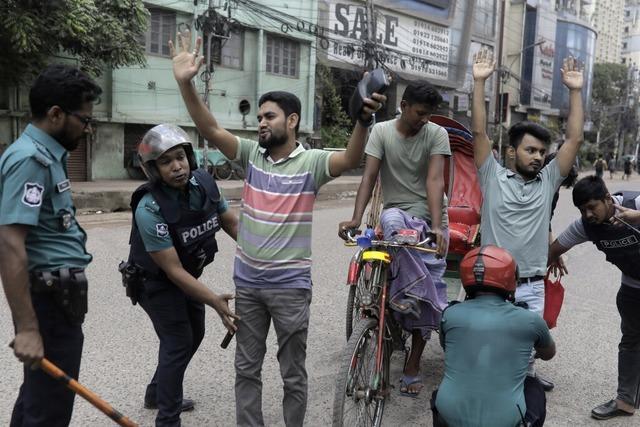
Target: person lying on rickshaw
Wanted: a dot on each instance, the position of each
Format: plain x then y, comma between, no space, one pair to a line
409,153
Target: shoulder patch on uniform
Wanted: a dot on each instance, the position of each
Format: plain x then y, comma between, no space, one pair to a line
42,159
32,195
152,206
162,230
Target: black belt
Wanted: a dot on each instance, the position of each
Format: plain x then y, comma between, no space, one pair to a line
46,281
530,279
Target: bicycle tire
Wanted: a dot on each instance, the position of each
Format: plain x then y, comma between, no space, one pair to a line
223,171
350,316
358,364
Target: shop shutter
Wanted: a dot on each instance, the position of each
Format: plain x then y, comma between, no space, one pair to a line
77,162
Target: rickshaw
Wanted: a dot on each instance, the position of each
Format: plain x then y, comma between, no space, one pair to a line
363,384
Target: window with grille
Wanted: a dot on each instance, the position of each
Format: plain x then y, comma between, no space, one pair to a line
282,56
226,53
162,28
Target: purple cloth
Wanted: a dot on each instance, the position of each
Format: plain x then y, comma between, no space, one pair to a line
415,274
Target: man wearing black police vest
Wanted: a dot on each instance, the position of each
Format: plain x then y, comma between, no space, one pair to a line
620,242
176,217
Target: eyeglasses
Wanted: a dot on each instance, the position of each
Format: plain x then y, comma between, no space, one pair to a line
87,120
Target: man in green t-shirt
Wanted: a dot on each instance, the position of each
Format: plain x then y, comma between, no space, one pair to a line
408,153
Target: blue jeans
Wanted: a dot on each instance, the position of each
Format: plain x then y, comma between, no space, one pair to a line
533,294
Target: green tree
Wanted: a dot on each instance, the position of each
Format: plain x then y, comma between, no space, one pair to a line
336,124
611,112
609,83
97,33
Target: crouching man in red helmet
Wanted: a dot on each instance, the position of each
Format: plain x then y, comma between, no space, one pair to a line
487,343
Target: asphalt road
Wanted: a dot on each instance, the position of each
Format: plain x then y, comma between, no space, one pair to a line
120,345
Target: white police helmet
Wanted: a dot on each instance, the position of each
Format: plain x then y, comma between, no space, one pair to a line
157,141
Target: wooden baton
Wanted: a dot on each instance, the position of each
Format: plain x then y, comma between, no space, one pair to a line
87,394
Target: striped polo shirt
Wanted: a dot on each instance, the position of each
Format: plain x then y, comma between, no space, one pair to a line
274,233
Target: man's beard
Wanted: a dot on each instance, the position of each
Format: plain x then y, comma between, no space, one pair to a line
274,140
527,174
66,141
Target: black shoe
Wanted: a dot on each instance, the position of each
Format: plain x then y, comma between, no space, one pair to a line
609,410
187,405
546,385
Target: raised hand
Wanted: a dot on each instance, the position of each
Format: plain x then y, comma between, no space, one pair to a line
186,63
371,105
483,65
572,73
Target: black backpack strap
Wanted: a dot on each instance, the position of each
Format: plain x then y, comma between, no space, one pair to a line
137,195
206,181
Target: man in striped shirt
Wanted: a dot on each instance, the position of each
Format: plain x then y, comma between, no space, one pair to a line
272,269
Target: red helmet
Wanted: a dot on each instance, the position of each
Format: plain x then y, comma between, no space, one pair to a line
489,267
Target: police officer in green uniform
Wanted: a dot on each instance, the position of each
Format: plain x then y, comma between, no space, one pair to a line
42,246
176,217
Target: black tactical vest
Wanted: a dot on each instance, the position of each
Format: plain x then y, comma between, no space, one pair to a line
620,244
192,232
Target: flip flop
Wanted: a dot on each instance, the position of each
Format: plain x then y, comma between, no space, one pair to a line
407,381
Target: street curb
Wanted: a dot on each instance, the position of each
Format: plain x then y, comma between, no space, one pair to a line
118,200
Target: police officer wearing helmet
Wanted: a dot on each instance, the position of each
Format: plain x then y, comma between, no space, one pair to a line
176,217
42,247
487,343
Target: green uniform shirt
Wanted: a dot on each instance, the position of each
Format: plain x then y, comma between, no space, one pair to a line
516,213
35,191
405,165
152,225
487,343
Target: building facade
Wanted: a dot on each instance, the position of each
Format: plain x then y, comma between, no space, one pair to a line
250,54
413,39
631,34
539,34
607,20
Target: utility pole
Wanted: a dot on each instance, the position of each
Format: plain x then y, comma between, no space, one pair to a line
498,110
370,46
619,150
213,29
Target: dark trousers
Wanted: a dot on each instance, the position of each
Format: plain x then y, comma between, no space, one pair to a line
534,398
179,324
628,301
43,401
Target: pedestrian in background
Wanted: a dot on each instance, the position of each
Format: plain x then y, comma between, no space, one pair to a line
43,251
612,167
627,169
600,165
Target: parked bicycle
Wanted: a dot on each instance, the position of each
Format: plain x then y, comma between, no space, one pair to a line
373,334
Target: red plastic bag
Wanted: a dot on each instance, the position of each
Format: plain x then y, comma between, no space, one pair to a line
553,297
